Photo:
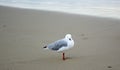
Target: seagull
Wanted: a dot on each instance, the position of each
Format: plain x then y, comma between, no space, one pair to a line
61,45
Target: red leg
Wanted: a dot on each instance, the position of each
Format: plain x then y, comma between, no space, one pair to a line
63,56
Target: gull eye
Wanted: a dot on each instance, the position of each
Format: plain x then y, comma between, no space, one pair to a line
70,39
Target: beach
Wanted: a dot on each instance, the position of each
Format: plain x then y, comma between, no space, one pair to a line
24,32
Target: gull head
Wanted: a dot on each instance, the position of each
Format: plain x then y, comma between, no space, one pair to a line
68,36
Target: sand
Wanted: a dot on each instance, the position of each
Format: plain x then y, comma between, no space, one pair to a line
23,33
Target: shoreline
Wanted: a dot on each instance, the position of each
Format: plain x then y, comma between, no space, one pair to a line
103,12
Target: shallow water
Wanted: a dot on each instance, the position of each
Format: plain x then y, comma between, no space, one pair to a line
102,8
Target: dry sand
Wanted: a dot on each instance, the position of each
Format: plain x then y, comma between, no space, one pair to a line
23,33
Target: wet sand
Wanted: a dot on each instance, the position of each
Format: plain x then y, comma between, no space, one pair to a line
23,33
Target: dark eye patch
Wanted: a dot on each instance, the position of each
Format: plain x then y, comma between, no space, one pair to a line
70,39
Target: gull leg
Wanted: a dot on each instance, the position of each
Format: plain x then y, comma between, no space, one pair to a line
63,56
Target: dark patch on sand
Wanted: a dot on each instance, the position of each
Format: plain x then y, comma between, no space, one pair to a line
4,25
82,34
85,38
109,67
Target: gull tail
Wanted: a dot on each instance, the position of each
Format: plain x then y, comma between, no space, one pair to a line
45,47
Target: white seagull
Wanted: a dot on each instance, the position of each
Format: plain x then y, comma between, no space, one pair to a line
61,45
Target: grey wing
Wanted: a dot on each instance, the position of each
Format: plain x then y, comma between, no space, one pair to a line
57,45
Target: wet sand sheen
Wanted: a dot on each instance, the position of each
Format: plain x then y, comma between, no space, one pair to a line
23,33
